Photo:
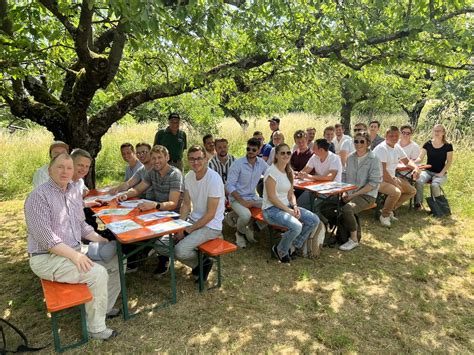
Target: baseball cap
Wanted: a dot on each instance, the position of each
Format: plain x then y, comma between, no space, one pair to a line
173,116
274,119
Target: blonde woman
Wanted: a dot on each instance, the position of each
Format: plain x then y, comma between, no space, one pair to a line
439,155
279,205
277,138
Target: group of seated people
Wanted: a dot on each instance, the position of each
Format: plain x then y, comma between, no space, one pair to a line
57,224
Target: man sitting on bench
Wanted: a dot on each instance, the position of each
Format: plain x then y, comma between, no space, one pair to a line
244,175
56,227
203,205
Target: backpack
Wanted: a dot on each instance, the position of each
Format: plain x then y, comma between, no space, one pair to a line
342,233
4,326
313,245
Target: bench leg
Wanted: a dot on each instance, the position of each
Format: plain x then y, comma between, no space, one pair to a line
219,275
201,272
55,328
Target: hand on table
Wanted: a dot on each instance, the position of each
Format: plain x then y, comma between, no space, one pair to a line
346,197
82,262
145,206
121,198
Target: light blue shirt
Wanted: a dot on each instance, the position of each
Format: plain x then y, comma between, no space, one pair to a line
243,177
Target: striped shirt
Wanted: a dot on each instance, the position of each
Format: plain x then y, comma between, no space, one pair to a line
54,216
221,168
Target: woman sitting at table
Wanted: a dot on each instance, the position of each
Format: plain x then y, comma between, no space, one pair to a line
279,205
440,157
362,170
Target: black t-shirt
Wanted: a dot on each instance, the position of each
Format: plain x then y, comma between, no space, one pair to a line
437,156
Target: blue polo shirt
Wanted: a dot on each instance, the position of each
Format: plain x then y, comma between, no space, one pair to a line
243,177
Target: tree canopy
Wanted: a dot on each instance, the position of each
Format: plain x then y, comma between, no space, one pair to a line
78,67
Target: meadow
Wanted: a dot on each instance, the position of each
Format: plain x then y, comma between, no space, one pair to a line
405,289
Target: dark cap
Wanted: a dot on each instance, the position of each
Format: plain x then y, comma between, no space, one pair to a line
173,116
274,119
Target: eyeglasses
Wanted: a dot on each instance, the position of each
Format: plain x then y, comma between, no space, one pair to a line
359,141
287,153
358,129
406,133
254,150
142,152
195,160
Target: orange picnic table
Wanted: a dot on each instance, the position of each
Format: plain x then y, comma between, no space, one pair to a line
142,237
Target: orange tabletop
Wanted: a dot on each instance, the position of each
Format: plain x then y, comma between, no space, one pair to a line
305,185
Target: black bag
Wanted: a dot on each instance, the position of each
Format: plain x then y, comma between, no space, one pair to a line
20,348
342,233
439,206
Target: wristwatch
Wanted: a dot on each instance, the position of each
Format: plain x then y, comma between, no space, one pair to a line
158,205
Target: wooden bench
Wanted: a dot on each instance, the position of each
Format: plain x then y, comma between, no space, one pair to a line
257,215
60,296
214,249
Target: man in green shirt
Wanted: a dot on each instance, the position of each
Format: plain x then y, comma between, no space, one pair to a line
174,140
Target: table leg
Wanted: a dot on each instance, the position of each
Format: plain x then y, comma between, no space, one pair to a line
123,285
172,270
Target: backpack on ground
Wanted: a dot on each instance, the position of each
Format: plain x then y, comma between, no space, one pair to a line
439,206
5,328
313,245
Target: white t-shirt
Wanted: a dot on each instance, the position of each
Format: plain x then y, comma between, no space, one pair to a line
210,185
332,162
338,144
271,156
283,185
81,185
390,156
41,176
412,150
348,146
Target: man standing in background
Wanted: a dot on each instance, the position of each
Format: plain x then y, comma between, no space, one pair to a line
174,140
41,175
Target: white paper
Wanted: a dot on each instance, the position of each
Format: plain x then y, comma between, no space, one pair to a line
114,211
157,215
133,203
123,226
168,226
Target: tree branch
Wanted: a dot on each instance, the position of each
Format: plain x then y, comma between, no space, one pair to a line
41,94
101,122
84,30
52,6
115,56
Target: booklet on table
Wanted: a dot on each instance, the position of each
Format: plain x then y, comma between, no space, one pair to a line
123,226
157,215
114,211
326,187
133,203
168,226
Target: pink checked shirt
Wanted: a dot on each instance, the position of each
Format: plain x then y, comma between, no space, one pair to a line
54,216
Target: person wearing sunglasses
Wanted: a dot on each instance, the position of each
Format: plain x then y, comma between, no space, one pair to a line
363,171
280,208
242,179
410,147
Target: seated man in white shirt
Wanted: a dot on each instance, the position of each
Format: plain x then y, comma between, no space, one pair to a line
82,161
128,155
411,149
41,175
203,205
397,189
327,167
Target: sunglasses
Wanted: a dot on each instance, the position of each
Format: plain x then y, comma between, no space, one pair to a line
358,129
406,133
359,141
287,153
254,150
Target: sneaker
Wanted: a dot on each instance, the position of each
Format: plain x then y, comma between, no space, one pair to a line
114,312
392,217
249,234
240,240
284,259
162,267
349,245
385,221
104,335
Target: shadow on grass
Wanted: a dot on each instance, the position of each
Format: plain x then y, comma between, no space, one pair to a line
404,289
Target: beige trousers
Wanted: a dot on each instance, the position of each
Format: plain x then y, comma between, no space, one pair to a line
396,196
103,281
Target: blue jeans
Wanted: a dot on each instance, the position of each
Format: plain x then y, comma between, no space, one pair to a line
298,229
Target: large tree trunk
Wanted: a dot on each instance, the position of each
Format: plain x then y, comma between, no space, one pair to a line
415,112
346,113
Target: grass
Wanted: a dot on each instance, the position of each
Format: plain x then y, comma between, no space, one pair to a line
406,289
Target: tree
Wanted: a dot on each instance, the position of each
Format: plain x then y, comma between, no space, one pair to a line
77,68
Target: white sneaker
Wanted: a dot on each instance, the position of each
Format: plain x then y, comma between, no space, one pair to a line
392,217
240,240
349,245
385,221
249,234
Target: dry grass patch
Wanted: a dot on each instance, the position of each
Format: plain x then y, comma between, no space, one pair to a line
406,289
